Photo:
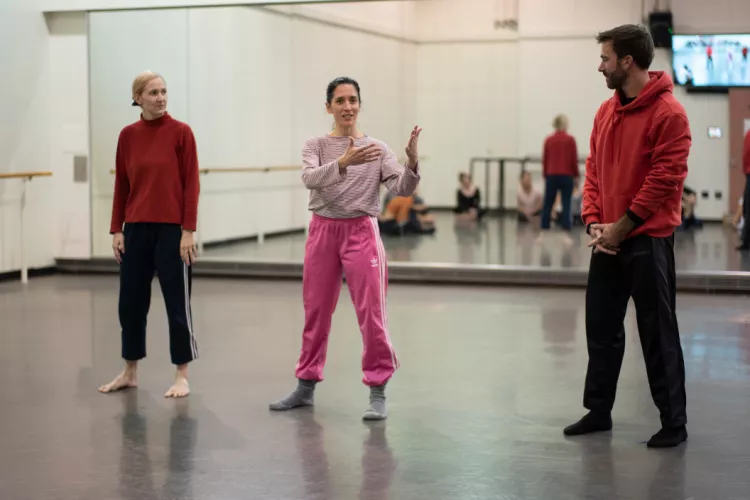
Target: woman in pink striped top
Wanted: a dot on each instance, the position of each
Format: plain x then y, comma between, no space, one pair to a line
343,171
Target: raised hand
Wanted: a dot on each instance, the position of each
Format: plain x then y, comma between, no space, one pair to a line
412,152
358,156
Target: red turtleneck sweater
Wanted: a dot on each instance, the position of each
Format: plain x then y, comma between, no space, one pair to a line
156,176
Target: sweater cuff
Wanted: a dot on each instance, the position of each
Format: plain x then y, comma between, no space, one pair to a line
637,214
340,175
634,218
414,172
591,219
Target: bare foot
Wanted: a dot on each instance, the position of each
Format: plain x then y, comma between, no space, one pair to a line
179,389
125,380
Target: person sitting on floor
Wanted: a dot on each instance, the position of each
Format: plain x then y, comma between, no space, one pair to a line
529,199
405,214
468,199
689,201
738,221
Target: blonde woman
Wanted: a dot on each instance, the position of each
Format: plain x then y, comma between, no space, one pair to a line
154,215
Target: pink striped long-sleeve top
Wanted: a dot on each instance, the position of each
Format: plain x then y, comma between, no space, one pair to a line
356,193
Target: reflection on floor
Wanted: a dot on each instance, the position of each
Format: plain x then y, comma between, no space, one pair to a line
489,378
501,240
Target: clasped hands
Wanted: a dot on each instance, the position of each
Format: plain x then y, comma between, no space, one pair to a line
606,238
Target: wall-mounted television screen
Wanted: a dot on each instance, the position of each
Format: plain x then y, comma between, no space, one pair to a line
711,61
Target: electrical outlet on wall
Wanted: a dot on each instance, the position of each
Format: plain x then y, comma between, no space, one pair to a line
718,194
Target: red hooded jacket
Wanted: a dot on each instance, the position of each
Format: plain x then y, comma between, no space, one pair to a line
638,160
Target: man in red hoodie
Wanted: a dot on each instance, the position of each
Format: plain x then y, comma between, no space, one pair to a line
631,206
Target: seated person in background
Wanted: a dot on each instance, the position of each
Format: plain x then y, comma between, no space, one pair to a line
739,217
421,214
529,199
689,200
468,199
405,214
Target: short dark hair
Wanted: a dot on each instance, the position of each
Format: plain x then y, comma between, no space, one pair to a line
342,80
630,40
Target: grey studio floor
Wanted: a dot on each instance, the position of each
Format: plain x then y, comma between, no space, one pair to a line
501,240
489,378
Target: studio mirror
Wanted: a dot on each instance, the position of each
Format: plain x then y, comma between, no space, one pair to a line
486,88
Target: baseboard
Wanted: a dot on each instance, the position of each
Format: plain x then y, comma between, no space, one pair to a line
248,239
33,273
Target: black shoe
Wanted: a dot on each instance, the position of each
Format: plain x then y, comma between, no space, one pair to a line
668,437
591,422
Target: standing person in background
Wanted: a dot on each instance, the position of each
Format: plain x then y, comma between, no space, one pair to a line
559,168
635,173
343,171
154,215
745,238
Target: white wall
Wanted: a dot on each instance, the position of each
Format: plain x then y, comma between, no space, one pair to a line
23,135
69,133
389,17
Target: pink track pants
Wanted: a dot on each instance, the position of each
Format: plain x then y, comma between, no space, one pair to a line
354,246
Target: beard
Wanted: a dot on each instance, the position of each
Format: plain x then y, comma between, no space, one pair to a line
616,79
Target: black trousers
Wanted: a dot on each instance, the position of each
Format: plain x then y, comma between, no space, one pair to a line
150,248
645,270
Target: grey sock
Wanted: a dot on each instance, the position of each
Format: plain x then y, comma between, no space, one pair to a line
376,410
303,395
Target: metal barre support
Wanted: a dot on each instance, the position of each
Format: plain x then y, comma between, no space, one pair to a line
25,178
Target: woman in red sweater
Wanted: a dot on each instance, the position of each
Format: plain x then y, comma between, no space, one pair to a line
154,215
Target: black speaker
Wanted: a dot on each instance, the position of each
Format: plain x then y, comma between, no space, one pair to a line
660,25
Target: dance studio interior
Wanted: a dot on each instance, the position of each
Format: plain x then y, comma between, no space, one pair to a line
397,249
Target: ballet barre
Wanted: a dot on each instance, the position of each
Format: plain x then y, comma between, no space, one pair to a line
501,162
245,170
25,178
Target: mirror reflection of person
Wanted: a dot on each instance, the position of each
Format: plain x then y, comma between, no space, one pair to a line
689,201
405,215
468,199
529,199
560,168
